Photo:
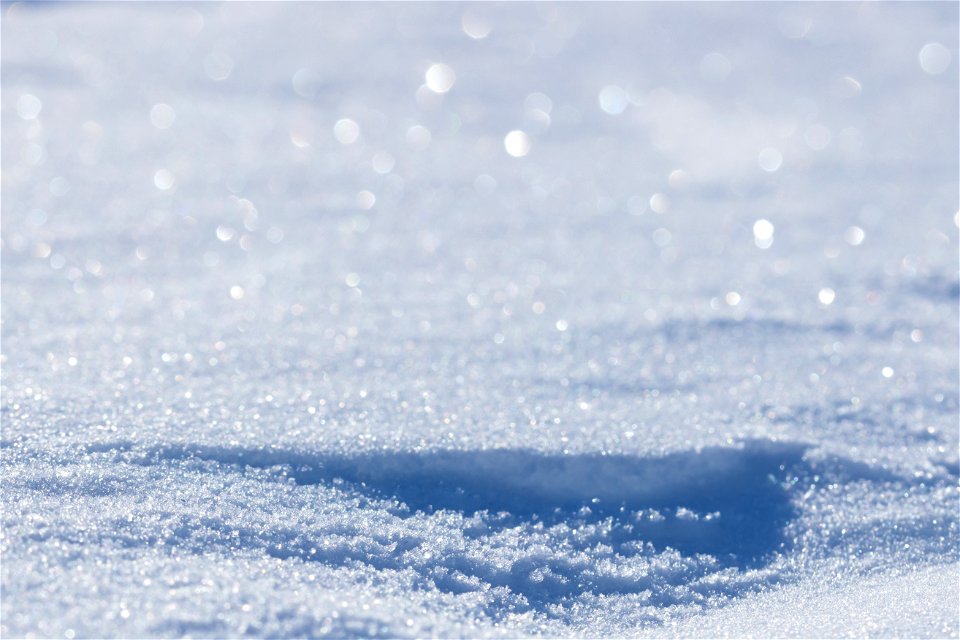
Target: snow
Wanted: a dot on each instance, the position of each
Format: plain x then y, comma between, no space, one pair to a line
480,320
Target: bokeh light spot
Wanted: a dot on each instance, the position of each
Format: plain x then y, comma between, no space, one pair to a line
163,179
715,67
218,66
934,58
763,233
29,106
613,99
346,131
659,203
418,137
162,115
854,236
475,26
517,143
440,78
817,137
770,159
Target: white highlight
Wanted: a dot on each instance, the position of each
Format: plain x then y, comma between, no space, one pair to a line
163,179
440,78
763,233
613,99
517,143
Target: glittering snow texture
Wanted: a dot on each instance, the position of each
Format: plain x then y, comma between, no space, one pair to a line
480,320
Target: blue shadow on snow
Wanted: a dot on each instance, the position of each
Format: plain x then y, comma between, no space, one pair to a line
729,502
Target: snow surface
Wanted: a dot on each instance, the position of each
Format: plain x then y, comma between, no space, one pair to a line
480,320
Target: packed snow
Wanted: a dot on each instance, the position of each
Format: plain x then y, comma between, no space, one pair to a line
486,320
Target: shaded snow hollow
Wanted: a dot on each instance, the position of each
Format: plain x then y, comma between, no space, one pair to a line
479,320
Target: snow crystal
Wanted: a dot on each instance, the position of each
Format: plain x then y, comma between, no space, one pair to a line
479,321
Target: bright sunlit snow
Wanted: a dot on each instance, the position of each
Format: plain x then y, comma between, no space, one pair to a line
408,320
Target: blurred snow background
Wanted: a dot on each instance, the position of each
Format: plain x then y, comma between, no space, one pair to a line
479,320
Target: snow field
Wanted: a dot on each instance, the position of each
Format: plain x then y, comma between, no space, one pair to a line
479,320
